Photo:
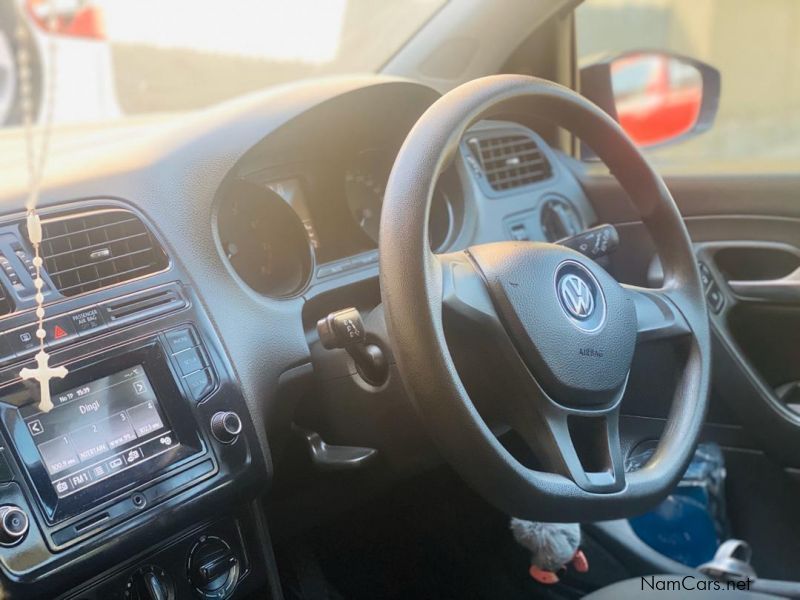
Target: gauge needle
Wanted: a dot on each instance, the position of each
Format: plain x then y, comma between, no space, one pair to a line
366,215
233,250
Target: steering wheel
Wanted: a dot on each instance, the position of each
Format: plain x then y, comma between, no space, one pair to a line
547,331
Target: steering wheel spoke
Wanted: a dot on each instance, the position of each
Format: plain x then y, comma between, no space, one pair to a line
463,289
657,314
590,449
583,446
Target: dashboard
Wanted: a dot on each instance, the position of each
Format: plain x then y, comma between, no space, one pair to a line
185,274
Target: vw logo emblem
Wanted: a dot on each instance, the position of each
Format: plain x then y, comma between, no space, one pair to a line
576,296
580,296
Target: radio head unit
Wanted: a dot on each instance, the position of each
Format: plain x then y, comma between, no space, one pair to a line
117,423
100,429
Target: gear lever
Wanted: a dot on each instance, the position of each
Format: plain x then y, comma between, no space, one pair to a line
731,563
345,329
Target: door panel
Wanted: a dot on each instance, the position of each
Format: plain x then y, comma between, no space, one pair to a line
747,230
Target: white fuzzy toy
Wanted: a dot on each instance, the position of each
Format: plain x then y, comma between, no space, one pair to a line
552,546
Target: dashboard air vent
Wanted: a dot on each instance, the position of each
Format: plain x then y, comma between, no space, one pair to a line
510,161
6,306
88,251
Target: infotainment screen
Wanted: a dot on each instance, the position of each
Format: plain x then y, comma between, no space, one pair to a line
100,429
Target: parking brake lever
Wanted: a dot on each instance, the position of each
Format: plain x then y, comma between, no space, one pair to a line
598,241
345,329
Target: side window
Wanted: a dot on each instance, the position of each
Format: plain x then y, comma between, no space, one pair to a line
753,43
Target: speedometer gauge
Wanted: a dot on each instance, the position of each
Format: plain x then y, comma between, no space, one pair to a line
264,240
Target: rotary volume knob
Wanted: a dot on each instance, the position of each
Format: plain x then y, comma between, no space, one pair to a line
13,524
226,426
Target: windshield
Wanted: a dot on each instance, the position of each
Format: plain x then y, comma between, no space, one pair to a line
117,58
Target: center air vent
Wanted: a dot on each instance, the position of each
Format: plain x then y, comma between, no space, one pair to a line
510,161
88,251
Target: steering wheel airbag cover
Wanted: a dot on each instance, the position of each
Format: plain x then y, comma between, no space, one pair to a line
575,366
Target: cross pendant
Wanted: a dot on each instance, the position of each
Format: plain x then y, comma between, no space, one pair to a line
43,373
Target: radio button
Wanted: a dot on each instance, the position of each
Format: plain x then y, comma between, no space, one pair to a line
189,361
199,383
180,339
63,487
134,455
80,480
145,419
23,341
58,454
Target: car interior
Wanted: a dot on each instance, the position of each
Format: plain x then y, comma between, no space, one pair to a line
407,331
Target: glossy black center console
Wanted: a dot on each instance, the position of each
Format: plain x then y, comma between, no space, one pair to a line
128,455
119,422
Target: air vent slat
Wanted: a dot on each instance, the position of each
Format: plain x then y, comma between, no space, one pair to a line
499,166
511,161
96,228
94,250
99,262
129,274
99,244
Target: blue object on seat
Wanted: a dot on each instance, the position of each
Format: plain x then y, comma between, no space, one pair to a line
690,524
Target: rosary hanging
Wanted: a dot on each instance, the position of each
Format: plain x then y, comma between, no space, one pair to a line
43,372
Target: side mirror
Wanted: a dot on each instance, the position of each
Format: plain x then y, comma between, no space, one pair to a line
657,97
